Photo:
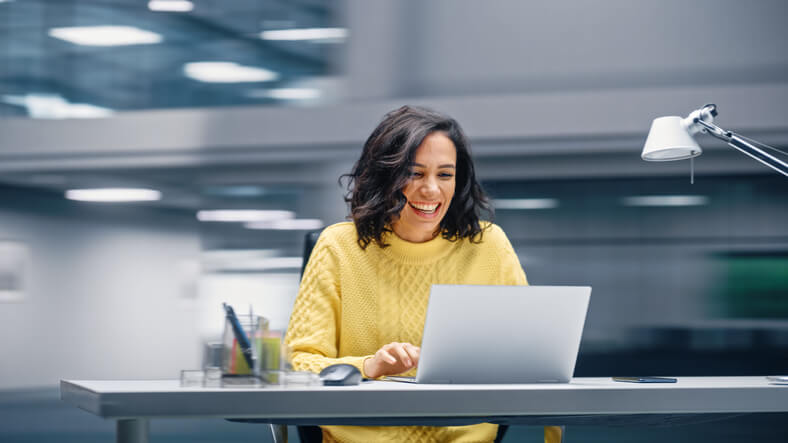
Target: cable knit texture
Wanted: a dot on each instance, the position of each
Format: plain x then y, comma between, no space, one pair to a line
353,301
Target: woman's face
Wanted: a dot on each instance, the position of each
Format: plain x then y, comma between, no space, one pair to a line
430,189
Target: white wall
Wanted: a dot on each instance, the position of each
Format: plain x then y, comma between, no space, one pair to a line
268,294
108,295
468,47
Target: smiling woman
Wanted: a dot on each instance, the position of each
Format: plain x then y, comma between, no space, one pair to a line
416,158
416,209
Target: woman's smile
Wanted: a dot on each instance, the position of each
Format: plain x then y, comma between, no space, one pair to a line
426,210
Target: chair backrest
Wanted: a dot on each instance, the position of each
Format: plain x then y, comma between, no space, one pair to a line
310,239
309,434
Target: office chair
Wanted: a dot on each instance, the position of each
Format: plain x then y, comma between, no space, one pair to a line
313,434
309,434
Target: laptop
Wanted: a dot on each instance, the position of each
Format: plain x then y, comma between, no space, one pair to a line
501,334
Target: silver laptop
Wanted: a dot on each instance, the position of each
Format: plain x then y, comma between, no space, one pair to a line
502,334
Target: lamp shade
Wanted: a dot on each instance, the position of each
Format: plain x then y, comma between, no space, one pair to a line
669,140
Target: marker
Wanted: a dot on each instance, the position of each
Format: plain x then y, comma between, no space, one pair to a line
240,336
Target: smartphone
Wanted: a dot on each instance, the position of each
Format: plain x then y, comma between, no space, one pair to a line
778,378
646,379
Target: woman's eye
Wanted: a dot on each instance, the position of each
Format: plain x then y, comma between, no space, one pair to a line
446,175
416,174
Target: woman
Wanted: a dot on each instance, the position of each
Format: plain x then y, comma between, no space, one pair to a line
415,206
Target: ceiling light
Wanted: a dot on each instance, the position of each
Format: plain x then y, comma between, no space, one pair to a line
312,34
286,93
525,203
105,35
227,72
250,265
170,5
54,106
298,224
111,195
666,200
242,215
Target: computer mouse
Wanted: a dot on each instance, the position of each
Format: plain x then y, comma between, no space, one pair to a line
341,374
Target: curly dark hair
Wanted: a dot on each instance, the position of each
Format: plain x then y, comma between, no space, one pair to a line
375,184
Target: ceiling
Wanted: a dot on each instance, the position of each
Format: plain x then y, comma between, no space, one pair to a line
41,75
209,144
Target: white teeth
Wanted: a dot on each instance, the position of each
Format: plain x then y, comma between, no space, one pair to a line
428,208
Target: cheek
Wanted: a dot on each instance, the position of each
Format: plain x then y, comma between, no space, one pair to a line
449,190
407,190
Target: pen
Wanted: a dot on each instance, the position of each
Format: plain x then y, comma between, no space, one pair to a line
240,336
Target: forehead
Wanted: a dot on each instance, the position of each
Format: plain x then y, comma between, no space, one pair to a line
436,149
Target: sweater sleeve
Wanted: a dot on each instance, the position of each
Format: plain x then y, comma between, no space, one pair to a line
314,322
512,272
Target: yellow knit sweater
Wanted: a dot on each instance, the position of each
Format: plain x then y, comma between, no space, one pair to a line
353,301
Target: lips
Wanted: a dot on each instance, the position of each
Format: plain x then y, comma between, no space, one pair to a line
425,209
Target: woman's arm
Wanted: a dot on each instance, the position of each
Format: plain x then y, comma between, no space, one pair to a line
312,333
314,324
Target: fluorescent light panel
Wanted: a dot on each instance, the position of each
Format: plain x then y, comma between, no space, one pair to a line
274,263
227,72
286,93
298,224
665,200
106,35
242,215
250,265
310,34
525,203
54,106
113,195
170,5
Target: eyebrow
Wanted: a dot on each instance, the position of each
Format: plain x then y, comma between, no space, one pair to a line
447,165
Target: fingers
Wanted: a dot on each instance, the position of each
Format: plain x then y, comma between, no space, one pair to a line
393,358
403,356
414,352
399,349
387,357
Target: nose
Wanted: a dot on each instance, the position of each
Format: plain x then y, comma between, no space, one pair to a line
430,187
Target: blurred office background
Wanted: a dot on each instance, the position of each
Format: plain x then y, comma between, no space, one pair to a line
262,104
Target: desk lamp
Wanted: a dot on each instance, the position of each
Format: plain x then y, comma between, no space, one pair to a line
671,138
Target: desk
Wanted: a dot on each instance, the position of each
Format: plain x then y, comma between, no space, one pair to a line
583,401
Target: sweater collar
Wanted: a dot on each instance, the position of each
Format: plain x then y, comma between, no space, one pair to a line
409,252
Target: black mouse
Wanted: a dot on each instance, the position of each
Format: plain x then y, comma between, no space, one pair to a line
341,374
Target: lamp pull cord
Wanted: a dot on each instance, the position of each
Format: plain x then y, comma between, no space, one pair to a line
692,170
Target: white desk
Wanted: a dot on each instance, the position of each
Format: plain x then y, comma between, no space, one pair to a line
584,400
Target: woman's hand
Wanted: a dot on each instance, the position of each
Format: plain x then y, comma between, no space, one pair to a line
392,359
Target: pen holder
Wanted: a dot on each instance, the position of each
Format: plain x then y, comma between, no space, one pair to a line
234,363
276,360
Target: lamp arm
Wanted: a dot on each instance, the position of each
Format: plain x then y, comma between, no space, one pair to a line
736,141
